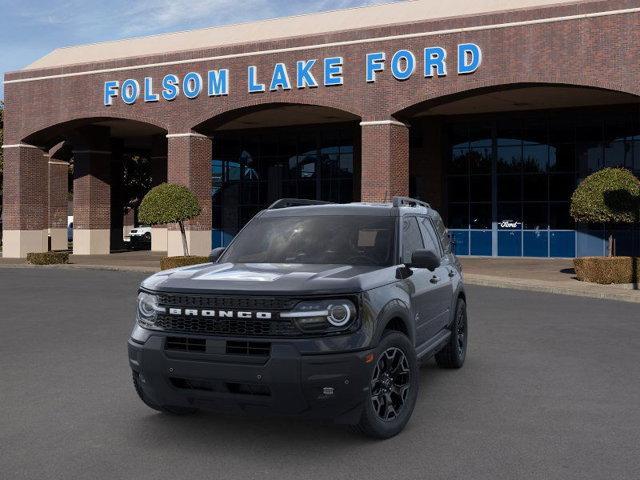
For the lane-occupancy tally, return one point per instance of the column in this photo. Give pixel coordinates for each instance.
(189, 164)
(116, 240)
(58, 192)
(25, 212)
(385, 160)
(92, 192)
(158, 175)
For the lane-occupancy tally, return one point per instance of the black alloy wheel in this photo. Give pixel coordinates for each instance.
(454, 352)
(393, 388)
(390, 384)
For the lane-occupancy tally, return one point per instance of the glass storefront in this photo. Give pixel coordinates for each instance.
(509, 178)
(253, 168)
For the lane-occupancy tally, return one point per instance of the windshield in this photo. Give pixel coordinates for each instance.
(346, 240)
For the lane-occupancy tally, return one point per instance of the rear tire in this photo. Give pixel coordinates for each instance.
(393, 389)
(164, 409)
(455, 351)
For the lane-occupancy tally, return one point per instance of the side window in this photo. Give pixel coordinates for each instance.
(430, 239)
(411, 238)
(443, 234)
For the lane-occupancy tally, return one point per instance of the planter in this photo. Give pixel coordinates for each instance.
(607, 270)
(167, 263)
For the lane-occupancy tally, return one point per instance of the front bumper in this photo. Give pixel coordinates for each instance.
(286, 382)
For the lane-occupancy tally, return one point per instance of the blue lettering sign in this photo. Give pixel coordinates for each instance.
(254, 87)
(149, 96)
(375, 63)
(280, 78)
(192, 85)
(434, 59)
(218, 82)
(110, 92)
(333, 71)
(469, 58)
(403, 64)
(130, 91)
(304, 77)
(170, 87)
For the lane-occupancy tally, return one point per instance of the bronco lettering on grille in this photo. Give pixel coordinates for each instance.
(192, 312)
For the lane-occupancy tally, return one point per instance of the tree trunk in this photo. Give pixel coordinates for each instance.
(185, 247)
(610, 252)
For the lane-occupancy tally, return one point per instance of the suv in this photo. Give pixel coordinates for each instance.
(314, 309)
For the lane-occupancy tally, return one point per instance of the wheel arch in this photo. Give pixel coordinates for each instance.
(395, 316)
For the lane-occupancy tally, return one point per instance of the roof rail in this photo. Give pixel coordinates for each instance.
(409, 202)
(294, 202)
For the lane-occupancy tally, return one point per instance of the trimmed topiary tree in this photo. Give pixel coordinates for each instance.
(611, 195)
(170, 203)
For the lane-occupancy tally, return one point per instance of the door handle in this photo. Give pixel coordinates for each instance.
(452, 273)
(435, 279)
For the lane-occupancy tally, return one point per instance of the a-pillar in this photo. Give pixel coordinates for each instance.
(92, 192)
(385, 160)
(189, 164)
(25, 212)
(159, 175)
(58, 192)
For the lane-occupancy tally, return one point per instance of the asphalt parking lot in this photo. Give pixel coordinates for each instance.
(551, 389)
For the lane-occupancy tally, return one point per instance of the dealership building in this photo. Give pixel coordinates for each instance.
(491, 110)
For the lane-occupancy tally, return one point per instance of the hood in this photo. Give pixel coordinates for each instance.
(270, 279)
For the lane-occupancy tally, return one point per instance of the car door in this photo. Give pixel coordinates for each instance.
(442, 295)
(421, 290)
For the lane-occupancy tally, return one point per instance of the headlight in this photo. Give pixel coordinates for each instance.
(323, 316)
(148, 310)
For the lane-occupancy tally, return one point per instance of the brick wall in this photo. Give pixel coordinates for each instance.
(600, 51)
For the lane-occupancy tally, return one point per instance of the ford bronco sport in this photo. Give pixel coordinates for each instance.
(314, 309)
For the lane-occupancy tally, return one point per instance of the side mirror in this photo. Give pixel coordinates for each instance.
(215, 254)
(425, 259)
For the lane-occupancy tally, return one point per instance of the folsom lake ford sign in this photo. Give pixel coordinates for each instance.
(309, 73)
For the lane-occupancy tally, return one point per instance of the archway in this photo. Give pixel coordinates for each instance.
(501, 164)
(113, 162)
(266, 152)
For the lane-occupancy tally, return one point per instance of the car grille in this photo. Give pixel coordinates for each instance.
(227, 326)
(186, 344)
(216, 326)
(230, 302)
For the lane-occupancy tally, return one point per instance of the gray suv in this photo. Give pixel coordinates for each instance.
(314, 310)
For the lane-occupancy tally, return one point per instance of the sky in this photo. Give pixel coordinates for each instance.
(29, 29)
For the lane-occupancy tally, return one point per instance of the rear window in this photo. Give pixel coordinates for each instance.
(443, 233)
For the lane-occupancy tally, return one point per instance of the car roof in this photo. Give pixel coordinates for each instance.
(356, 208)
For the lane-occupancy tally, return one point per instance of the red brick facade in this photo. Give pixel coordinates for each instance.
(589, 43)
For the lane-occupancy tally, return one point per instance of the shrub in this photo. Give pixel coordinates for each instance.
(169, 203)
(168, 263)
(607, 270)
(611, 195)
(48, 258)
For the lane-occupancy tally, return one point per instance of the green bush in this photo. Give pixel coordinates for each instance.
(168, 263)
(607, 270)
(48, 258)
(611, 195)
(169, 203)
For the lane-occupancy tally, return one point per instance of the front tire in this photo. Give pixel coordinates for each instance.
(455, 351)
(393, 389)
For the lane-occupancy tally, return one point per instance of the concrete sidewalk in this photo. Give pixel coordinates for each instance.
(539, 275)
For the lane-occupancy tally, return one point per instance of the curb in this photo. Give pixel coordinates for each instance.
(74, 266)
(602, 292)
